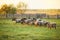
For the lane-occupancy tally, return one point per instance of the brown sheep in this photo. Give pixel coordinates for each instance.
(51, 25)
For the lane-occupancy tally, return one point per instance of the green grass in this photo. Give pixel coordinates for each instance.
(15, 31)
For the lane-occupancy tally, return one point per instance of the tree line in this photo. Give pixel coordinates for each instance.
(11, 9)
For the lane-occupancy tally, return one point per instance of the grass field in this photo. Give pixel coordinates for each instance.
(15, 31)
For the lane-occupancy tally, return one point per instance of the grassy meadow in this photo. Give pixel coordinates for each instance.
(10, 30)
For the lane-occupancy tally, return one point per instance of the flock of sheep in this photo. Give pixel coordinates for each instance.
(36, 22)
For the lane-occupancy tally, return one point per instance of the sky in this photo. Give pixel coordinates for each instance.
(35, 4)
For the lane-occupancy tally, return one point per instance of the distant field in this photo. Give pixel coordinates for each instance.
(15, 31)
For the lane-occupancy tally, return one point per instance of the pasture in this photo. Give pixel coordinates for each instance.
(10, 30)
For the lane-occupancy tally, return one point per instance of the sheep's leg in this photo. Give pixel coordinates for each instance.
(55, 26)
(49, 26)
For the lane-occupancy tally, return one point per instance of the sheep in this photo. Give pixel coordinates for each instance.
(28, 21)
(18, 20)
(38, 22)
(51, 25)
(23, 20)
(54, 25)
(45, 23)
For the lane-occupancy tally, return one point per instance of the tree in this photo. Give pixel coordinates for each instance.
(8, 9)
(21, 7)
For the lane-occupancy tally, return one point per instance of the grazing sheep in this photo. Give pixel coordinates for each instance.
(38, 22)
(45, 23)
(54, 25)
(34, 19)
(51, 25)
(28, 21)
(18, 20)
(23, 20)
